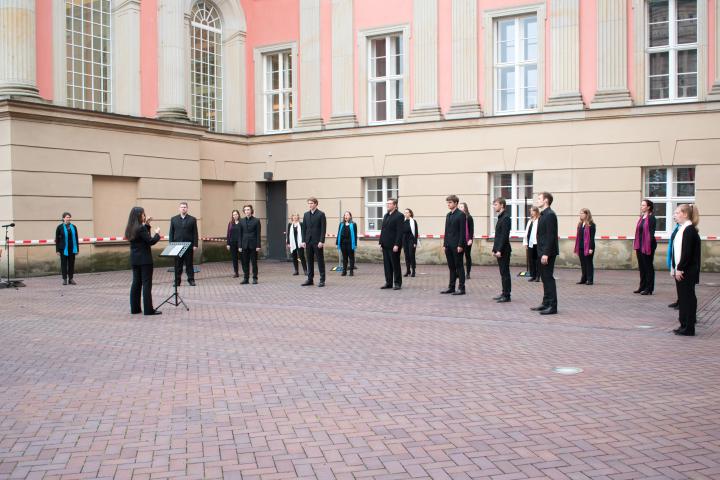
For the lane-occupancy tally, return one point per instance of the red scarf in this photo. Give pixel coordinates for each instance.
(586, 240)
(642, 233)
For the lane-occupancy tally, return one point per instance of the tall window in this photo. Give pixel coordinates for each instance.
(278, 91)
(377, 192)
(517, 190)
(386, 77)
(87, 43)
(672, 49)
(206, 65)
(668, 187)
(516, 69)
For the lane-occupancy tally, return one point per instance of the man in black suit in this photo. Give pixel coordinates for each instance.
(502, 249)
(391, 244)
(183, 228)
(547, 250)
(313, 234)
(454, 244)
(249, 244)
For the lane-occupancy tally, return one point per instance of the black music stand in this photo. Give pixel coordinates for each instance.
(9, 282)
(175, 250)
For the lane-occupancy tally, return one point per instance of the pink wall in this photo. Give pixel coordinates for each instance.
(44, 50)
(148, 58)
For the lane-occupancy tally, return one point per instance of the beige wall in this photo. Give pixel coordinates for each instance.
(53, 159)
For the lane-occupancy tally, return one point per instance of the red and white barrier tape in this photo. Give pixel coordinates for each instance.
(93, 240)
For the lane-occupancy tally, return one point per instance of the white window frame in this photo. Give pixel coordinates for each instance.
(490, 18)
(364, 36)
(216, 125)
(513, 204)
(88, 92)
(671, 200)
(519, 65)
(259, 54)
(382, 203)
(388, 79)
(281, 91)
(672, 48)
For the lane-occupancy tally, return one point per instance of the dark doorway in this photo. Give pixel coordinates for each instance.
(276, 219)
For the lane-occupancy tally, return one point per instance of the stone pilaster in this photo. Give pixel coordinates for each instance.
(234, 107)
(172, 61)
(565, 55)
(612, 87)
(309, 60)
(714, 93)
(465, 102)
(425, 60)
(343, 80)
(126, 57)
(18, 75)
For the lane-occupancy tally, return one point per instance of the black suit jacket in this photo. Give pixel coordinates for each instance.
(183, 230)
(140, 253)
(502, 233)
(249, 233)
(471, 227)
(581, 228)
(547, 234)
(392, 230)
(289, 232)
(690, 254)
(60, 239)
(407, 232)
(455, 229)
(233, 235)
(314, 226)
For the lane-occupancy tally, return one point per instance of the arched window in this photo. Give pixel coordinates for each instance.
(87, 46)
(206, 65)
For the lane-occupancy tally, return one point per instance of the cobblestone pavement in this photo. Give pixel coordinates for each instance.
(278, 381)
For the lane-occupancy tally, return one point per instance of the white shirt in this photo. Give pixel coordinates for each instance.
(677, 243)
(532, 228)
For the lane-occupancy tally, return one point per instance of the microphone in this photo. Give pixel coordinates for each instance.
(11, 225)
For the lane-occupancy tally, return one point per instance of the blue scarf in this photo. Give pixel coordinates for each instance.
(74, 240)
(670, 246)
(353, 242)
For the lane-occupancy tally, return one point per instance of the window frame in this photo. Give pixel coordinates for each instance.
(215, 126)
(281, 91)
(387, 79)
(519, 65)
(258, 60)
(671, 199)
(513, 204)
(382, 203)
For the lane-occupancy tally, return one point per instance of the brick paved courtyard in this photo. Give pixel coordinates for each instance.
(276, 381)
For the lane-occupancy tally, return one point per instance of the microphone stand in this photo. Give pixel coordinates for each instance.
(9, 283)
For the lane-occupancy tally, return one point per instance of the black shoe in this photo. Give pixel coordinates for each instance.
(386, 286)
(531, 279)
(64, 282)
(245, 281)
(537, 279)
(191, 283)
(344, 274)
(639, 290)
(685, 333)
(589, 283)
(459, 292)
(236, 275)
(467, 276)
(413, 273)
(254, 281)
(322, 283)
(154, 312)
(539, 308)
(72, 282)
(549, 311)
(407, 274)
(176, 283)
(295, 273)
(498, 297)
(307, 282)
(673, 305)
(646, 292)
(351, 273)
(676, 330)
(449, 290)
(135, 313)
(503, 300)
(581, 282)
(397, 287)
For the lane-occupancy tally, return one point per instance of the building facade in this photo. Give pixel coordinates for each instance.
(106, 104)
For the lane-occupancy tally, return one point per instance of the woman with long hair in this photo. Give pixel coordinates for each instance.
(644, 246)
(410, 241)
(137, 232)
(347, 243)
(294, 241)
(469, 235)
(233, 240)
(585, 246)
(530, 242)
(686, 266)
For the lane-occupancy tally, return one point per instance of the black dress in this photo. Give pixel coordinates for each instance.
(142, 269)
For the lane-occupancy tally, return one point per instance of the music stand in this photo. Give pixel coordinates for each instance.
(175, 250)
(9, 282)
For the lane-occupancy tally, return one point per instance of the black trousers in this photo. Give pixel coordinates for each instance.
(249, 256)
(299, 254)
(391, 262)
(141, 281)
(409, 248)
(67, 265)
(647, 271)
(504, 265)
(455, 265)
(234, 254)
(187, 262)
(587, 268)
(468, 258)
(687, 303)
(347, 254)
(312, 251)
(549, 288)
(532, 261)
